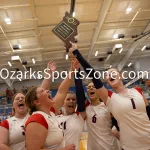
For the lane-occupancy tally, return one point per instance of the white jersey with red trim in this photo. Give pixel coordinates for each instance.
(16, 132)
(130, 111)
(72, 127)
(54, 139)
(99, 128)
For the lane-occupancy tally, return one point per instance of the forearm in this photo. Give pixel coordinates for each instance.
(46, 82)
(61, 93)
(64, 86)
(88, 69)
(80, 93)
(4, 147)
(82, 61)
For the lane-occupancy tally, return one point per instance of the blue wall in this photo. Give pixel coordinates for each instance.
(73, 89)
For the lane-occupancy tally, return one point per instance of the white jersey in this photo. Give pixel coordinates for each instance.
(130, 111)
(16, 132)
(99, 128)
(54, 139)
(72, 127)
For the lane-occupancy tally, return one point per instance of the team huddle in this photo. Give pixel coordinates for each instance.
(37, 124)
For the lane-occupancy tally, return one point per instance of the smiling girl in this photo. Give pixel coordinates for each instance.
(128, 106)
(43, 131)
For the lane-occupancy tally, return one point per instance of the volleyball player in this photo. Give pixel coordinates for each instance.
(42, 128)
(126, 105)
(11, 130)
(12, 135)
(72, 121)
(98, 118)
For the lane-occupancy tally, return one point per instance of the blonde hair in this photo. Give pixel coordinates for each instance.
(71, 92)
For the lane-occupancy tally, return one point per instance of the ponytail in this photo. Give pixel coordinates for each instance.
(29, 100)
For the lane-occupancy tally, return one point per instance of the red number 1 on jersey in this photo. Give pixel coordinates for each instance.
(133, 103)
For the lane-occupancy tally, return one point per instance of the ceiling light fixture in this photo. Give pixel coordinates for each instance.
(118, 46)
(20, 46)
(67, 56)
(9, 63)
(7, 20)
(129, 64)
(73, 14)
(128, 10)
(15, 58)
(96, 53)
(143, 48)
(33, 60)
(120, 51)
(115, 36)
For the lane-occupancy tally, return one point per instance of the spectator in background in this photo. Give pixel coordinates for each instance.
(4, 112)
(7, 93)
(9, 97)
(14, 91)
(23, 90)
(26, 90)
(5, 102)
(0, 120)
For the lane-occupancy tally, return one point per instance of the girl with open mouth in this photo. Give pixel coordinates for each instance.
(97, 116)
(12, 134)
(128, 106)
(43, 131)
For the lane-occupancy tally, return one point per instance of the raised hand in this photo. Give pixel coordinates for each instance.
(76, 64)
(74, 47)
(51, 66)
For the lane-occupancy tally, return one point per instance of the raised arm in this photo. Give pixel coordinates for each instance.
(101, 90)
(80, 95)
(51, 67)
(63, 90)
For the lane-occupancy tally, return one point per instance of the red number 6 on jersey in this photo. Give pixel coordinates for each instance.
(94, 119)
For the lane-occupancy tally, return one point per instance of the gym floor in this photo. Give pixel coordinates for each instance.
(83, 141)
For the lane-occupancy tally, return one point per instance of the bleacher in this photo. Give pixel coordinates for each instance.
(7, 107)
